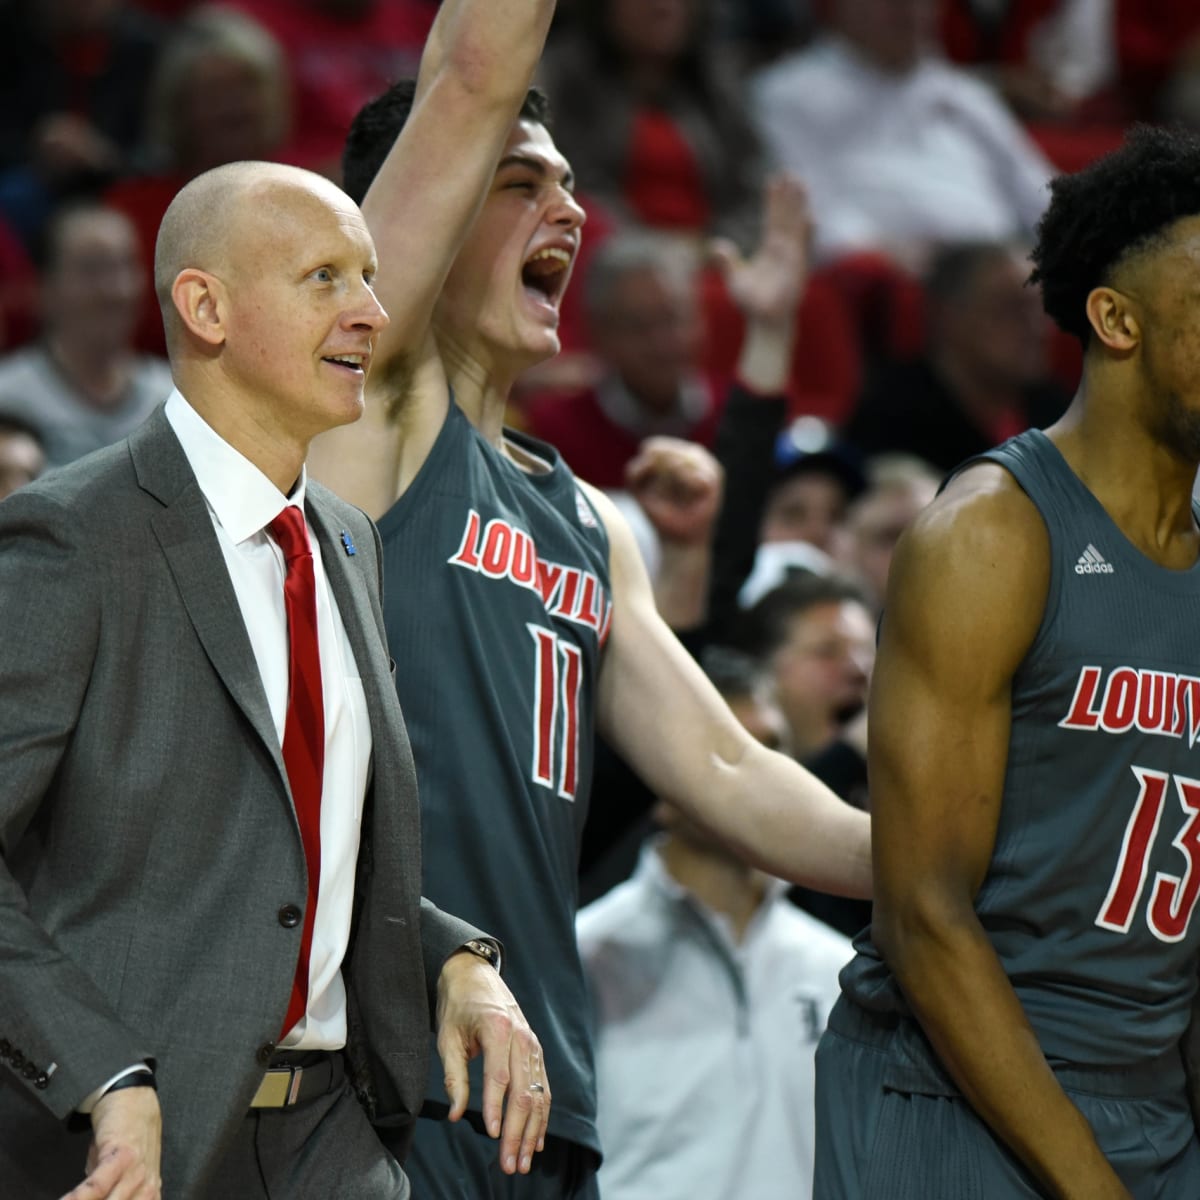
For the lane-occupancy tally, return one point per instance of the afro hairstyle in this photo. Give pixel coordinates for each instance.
(1115, 208)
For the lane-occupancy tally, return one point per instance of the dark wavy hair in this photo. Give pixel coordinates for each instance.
(379, 122)
(1112, 210)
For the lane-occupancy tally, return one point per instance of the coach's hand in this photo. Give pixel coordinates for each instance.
(123, 1162)
(476, 1013)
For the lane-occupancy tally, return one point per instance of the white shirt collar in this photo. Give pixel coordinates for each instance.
(244, 500)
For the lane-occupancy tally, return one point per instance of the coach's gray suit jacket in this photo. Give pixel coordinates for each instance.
(148, 841)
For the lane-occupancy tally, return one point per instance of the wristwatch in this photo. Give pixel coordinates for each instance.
(485, 950)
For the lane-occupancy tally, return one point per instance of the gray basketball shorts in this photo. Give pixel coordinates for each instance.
(891, 1125)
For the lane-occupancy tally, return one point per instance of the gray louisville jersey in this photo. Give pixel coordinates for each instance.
(497, 605)
(1094, 878)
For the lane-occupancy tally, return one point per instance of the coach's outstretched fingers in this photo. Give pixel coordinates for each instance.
(478, 1015)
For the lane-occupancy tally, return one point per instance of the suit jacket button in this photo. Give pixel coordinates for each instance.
(29, 1071)
(290, 916)
(42, 1082)
(5, 1048)
(264, 1053)
(17, 1059)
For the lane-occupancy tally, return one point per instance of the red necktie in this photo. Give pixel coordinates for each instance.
(304, 730)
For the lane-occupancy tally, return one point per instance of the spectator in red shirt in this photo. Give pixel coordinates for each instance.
(645, 329)
(652, 341)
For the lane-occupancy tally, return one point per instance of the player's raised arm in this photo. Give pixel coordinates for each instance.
(965, 598)
(475, 71)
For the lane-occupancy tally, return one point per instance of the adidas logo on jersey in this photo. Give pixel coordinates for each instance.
(1091, 562)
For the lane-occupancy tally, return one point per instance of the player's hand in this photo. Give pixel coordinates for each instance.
(768, 285)
(476, 1013)
(123, 1161)
(678, 485)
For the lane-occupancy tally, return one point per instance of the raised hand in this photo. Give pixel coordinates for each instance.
(768, 285)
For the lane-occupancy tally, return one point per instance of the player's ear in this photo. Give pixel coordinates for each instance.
(1114, 319)
(201, 303)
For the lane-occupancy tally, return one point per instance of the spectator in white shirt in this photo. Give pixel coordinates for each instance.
(83, 386)
(897, 148)
(711, 991)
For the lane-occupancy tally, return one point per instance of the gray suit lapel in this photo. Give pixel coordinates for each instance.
(185, 533)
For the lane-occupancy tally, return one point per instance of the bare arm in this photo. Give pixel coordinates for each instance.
(965, 597)
(475, 72)
(661, 713)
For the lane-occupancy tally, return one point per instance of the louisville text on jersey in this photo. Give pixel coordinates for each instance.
(1131, 698)
(499, 550)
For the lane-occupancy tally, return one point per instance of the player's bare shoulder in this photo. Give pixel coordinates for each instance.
(977, 560)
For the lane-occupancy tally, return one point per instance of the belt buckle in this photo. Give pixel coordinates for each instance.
(280, 1088)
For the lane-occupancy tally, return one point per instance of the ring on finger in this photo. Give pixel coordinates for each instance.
(536, 1087)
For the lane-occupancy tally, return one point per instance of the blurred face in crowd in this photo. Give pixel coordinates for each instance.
(995, 327)
(658, 29)
(892, 33)
(500, 303)
(92, 292)
(822, 671)
(875, 524)
(648, 333)
(227, 113)
(21, 460)
(809, 506)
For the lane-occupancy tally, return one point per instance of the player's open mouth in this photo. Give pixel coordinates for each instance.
(357, 363)
(545, 273)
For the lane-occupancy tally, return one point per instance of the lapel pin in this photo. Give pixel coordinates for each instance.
(348, 542)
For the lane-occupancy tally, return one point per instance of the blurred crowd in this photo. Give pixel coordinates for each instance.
(923, 131)
(923, 134)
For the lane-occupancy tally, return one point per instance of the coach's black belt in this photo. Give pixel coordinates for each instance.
(296, 1076)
